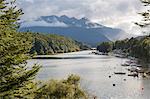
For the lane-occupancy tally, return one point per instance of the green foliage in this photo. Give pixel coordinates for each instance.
(105, 47)
(51, 44)
(16, 81)
(14, 48)
(120, 44)
(64, 89)
(9, 14)
(138, 47)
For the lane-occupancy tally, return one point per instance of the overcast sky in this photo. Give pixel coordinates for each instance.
(114, 13)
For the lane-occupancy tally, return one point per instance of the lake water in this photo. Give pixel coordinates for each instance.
(94, 71)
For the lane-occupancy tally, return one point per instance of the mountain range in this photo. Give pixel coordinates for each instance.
(82, 30)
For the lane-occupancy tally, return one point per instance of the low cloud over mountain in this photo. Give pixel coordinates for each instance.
(82, 29)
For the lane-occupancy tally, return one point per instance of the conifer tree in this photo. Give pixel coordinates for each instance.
(145, 23)
(15, 78)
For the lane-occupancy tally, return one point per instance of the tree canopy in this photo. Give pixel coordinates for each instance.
(14, 48)
(105, 47)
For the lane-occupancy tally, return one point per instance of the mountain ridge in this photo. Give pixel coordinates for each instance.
(81, 29)
(65, 20)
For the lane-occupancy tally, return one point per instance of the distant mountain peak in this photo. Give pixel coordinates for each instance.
(82, 29)
(64, 21)
(63, 16)
(84, 19)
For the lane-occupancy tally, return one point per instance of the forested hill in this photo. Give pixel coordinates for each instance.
(138, 47)
(51, 44)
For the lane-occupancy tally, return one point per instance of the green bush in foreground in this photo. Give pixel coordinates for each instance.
(63, 89)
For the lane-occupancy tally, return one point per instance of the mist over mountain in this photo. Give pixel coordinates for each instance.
(82, 30)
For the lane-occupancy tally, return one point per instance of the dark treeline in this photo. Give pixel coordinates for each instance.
(52, 44)
(105, 47)
(138, 47)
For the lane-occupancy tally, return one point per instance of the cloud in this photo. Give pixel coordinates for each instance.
(43, 23)
(113, 13)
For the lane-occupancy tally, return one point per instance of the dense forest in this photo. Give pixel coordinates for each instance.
(17, 81)
(138, 47)
(52, 44)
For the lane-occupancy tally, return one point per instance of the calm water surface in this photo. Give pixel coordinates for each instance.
(95, 71)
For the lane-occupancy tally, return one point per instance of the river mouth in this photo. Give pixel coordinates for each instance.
(97, 73)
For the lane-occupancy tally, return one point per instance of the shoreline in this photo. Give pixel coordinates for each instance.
(55, 56)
